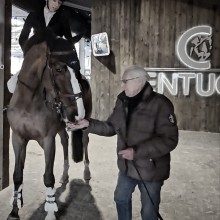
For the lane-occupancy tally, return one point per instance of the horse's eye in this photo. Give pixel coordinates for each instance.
(59, 70)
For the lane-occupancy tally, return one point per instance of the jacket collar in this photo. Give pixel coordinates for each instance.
(48, 15)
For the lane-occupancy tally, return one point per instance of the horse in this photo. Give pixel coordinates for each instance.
(50, 92)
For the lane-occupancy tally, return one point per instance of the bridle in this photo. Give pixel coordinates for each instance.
(58, 105)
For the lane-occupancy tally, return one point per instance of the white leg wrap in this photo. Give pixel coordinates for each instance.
(50, 204)
(17, 195)
(76, 89)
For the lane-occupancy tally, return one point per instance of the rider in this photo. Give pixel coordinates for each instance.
(52, 16)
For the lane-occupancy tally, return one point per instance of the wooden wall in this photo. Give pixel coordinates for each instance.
(144, 32)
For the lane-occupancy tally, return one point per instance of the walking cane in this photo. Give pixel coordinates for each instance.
(142, 181)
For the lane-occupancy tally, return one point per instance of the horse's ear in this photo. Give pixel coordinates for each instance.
(76, 38)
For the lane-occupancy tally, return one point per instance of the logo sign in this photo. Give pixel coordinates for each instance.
(193, 49)
(195, 42)
(173, 80)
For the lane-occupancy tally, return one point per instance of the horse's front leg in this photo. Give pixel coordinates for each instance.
(19, 146)
(49, 180)
(64, 138)
(87, 174)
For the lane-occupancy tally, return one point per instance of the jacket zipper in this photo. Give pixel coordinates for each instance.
(126, 132)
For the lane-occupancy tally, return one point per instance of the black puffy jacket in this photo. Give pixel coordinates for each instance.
(152, 132)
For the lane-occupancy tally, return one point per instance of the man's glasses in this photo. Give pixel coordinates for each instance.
(125, 80)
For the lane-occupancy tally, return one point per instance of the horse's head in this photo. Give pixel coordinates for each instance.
(51, 67)
(64, 74)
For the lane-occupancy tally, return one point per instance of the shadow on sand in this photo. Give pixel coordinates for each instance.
(79, 203)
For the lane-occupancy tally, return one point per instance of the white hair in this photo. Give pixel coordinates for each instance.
(137, 71)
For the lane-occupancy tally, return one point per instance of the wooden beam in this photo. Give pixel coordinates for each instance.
(5, 47)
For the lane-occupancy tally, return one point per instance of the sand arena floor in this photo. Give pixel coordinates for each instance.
(191, 193)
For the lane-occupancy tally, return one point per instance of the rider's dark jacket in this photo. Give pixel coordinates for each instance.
(148, 124)
(59, 24)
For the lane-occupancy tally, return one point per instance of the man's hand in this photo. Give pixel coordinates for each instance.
(127, 154)
(79, 125)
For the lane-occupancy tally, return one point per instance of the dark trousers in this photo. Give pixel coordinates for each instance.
(123, 197)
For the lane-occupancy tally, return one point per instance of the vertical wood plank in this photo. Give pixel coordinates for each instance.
(95, 66)
(144, 42)
(115, 50)
(154, 33)
(5, 47)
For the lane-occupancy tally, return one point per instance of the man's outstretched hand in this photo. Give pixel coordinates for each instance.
(78, 125)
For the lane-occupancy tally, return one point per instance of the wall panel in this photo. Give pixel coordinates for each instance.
(145, 32)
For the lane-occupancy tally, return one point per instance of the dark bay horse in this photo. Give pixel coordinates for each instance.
(50, 91)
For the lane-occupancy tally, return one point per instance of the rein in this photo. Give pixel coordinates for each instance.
(60, 53)
(76, 96)
(24, 84)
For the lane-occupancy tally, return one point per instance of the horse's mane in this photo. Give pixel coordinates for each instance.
(35, 39)
(55, 43)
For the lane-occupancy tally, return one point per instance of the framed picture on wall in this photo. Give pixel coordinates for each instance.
(100, 44)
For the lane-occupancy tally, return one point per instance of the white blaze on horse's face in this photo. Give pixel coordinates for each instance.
(76, 89)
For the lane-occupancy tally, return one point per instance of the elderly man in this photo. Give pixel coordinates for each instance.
(145, 124)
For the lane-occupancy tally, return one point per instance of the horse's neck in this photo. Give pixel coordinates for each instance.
(33, 88)
(32, 69)
(28, 91)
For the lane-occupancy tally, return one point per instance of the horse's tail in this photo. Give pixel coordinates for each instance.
(77, 145)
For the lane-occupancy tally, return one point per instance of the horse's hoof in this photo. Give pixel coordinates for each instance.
(11, 217)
